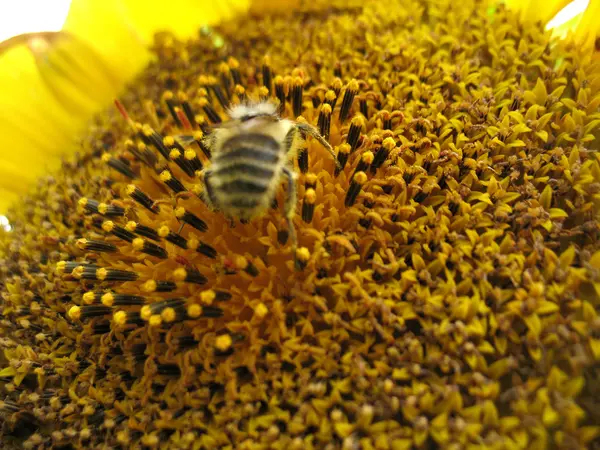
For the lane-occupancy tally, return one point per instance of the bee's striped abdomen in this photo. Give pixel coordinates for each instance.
(243, 172)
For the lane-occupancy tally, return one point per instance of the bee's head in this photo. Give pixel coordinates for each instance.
(246, 112)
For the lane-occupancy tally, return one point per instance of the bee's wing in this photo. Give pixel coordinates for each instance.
(184, 139)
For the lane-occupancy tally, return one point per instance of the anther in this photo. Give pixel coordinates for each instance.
(308, 205)
(111, 299)
(302, 257)
(142, 198)
(267, 73)
(202, 248)
(91, 298)
(330, 98)
(187, 108)
(209, 110)
(167, 177)
(243, 264)
(225, 78)
(174, 238)
(363, 107)
(177, 157)
(189, 276)
(351, 91)
(158, 286)
(110, 210)
(96, 246)
(88, 311)
(199, 139)
(191, 219)
(324, 121)
(387, 146)
(122, 318)
(359, 179)
(303, 159)
(151, 137)
(234, 70)
(149, 248)
(142, 230)
(192, 159)
(356, 125)
(240, 92)
(336, 86)
(119, 165)
(280, 91)
(171, 102)
(297, 88)
(342, 157)
(310, 181)
(103, 274)
(366, 159)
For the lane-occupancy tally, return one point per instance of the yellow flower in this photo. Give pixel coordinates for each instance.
(444, 291)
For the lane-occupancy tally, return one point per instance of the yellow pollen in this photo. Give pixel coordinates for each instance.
(330, 96)
(194, 311)
(81, 243)
(149, 286)
(168, 315)
(261, 310)
(131, 188)
(179, 274)
(179, 212)
(60, 267)
(165, 176)
(326, 108)
(145, 312)
(82, 201)
(223, 342)
(367, 157)
(102, 208)
(240, 262)
(388, 143)
(193, 243)
(207, 297)
(353, 85)
(190, 154)
(108, 299)
(174, 154)
(74, 313)
(137, 243)
(89, 297)
(198, 135)
(106, 157)
(168, 141)
(78, 272)
(302, 254)
(360, 178)
(164, 231)
(131, 226)
(310, 196)
(101, 273)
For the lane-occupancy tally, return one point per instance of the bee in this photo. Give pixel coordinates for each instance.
(251, 155)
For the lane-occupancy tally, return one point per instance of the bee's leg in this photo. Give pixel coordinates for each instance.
(290, 211)
(314, 133)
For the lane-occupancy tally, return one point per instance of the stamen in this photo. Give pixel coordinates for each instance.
(359, 179)
(267, 74)
(104, 274)
(387, 146)
(111, 299)
(351, 91)
(158, 286)
(151, 137)
(240, 92)
(96, 246)
(187, 109)
(297, 88)
(200, 247)
(366, 159)
(149, 248)
(330, 98)
(245, 265)
(303, 159)
(173, 238)
(67, 267)
(364, 107)
(122, 318)
(280, 92)
(342, 157)
(201, 121)
(356, 126)
(302, 257)
(142, 230)
(167, 177)
(263, 93)
(218, 92)
(142, 198)
(169, 99)
(177, 157)
(234, 70)
(88, 311)
(324, 121)
(183, 119)
(119, 165)
(308, 205)
(336, 86)
(156, 308)
(198, 138)
(209, 110)
(191, 219)
(189, 276)
(225, 78)
(193, 161)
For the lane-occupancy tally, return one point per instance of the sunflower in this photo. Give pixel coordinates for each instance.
(445, 290)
